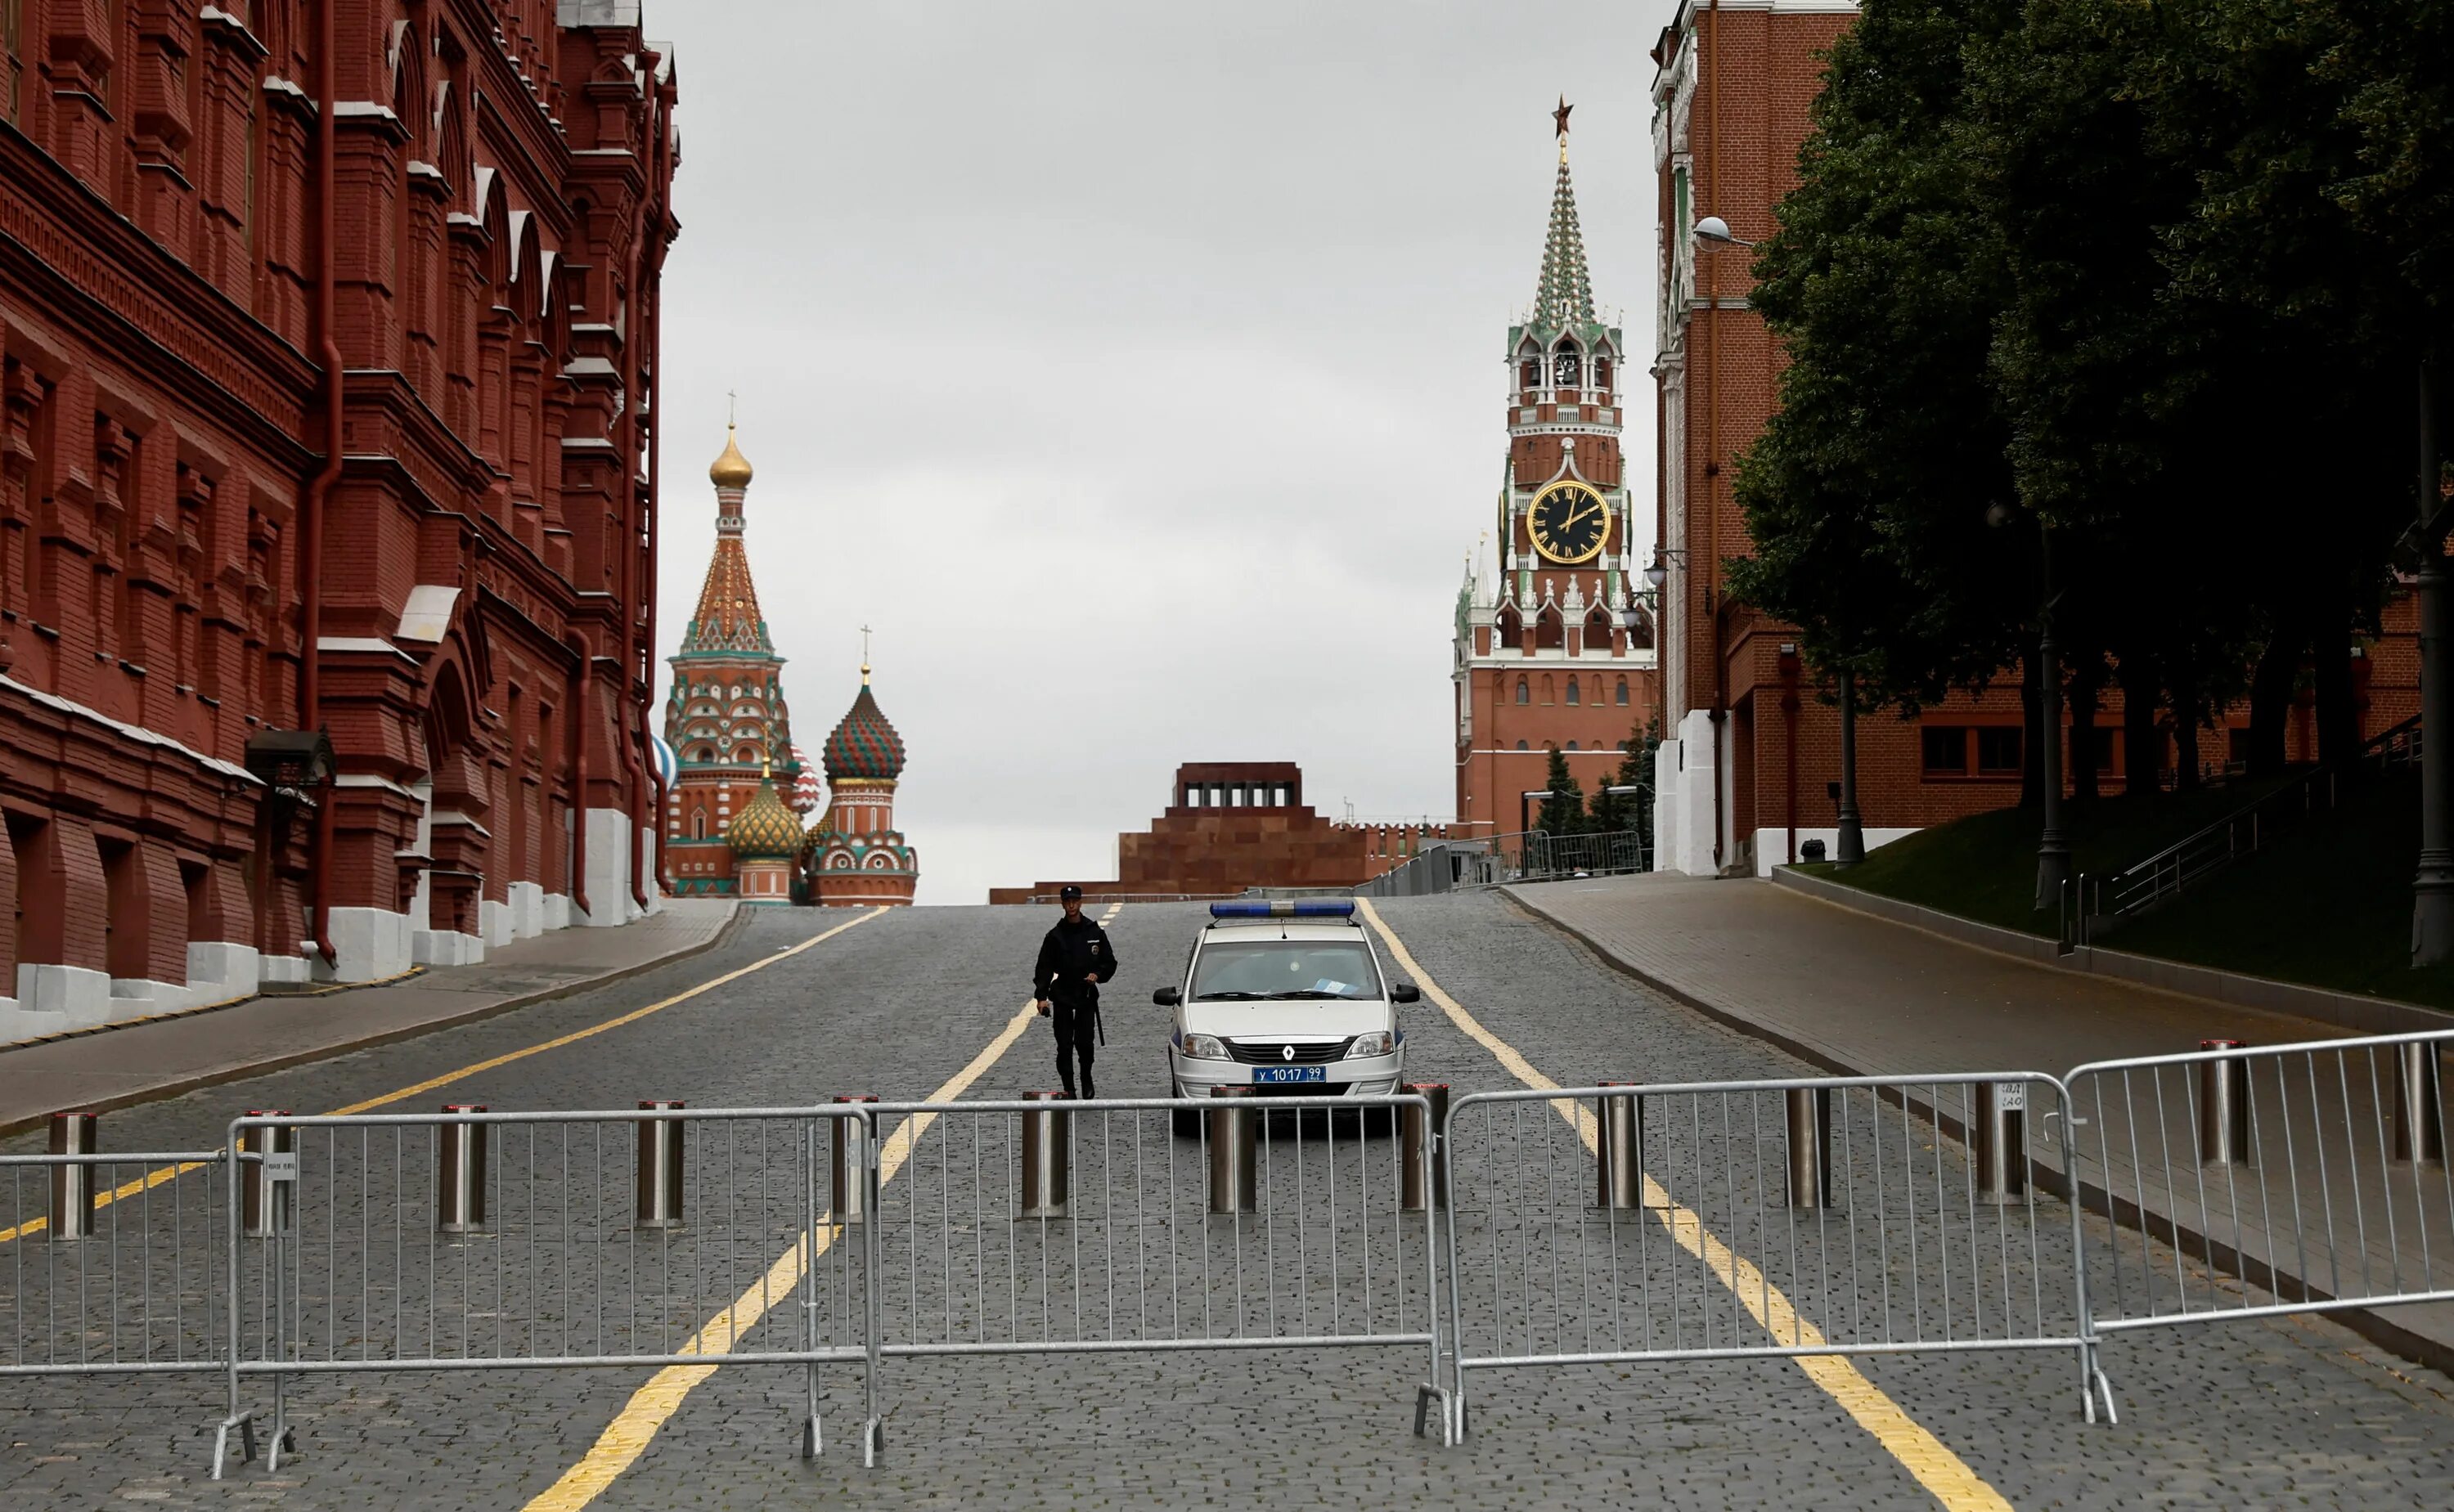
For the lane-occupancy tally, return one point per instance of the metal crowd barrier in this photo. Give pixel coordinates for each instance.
(1815, 1216)
(473, 1240)
(1059, 1227)
(2244, 1182)
(112, 1263)
(1618, 1223)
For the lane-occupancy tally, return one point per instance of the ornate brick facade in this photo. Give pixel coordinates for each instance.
(1552, 647)
(431, 229)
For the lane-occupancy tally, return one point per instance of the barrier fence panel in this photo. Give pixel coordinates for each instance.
(1767, 1218)
(2248, 1181)
(111, 1264)
(474, 1240)
(1237, 1222)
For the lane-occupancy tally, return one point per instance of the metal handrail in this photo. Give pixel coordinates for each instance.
(2145, 883)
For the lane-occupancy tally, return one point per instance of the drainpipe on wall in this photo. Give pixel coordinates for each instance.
(655, 826)
(575, 697)
(311, 514)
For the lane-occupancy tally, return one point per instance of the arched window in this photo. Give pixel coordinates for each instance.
(699, 824)
(1601, 372)
(1567, 369)
(1571, 745)
(1621, 699)
(1550, 694)
(1520, 744)
(1523, 696)
(1529, 375)
(1574, 698)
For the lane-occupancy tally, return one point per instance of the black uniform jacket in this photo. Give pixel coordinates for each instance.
(1074, 950)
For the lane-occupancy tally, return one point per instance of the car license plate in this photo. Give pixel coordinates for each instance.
(1290, 1073)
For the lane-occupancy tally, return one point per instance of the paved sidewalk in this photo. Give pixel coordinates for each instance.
(1868, 997)
(167, 1055)
(1864, 996)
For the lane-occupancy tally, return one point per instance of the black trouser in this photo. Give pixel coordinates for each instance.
(1078, 1026)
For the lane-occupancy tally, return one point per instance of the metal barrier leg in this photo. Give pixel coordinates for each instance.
(460, 1172)
(1424, 1177)
(71, 1214)
(1047, 1136)
(1618, 1153)
(2223, 1106)
(872, 1430)
(1233, 1129)
(2419, 1116)
(849, 1187)
(1810, 1146)
(659, 1166)
(1999, 1143)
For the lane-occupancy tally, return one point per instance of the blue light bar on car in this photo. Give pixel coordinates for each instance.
(1285, 908)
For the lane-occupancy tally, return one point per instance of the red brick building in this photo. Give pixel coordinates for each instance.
(1553, 647)
(1751, 756)
(1232, 825)
(328, 338)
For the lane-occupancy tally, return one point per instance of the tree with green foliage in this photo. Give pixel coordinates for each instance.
(1563, 811)
(1610, 812)
(1867, 492)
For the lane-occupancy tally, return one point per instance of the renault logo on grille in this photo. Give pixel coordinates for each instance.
(1287, 1052)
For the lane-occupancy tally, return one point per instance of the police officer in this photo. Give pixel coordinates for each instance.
(1074, 960)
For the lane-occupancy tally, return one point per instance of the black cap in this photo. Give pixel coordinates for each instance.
(1069, 894)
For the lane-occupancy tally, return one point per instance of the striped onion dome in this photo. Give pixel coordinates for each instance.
(765, 828)
(864, 745)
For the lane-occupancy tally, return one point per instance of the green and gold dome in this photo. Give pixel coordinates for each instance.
(765, 828)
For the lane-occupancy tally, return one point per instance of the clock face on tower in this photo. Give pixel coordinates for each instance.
(1570, 522)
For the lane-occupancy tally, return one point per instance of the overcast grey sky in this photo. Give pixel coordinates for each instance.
(1133, 369)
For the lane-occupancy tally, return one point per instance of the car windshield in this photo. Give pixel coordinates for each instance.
(1249, 969)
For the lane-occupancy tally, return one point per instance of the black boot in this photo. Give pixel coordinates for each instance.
(1089, 1092)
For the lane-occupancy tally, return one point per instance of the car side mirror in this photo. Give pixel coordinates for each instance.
(1406, 992)
(1167, 997)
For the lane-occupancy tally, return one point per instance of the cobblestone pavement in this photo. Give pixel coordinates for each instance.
(2261, 1413)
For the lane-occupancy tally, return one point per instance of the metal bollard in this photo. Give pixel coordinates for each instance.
(265, 1201)
(2419, 1116)
(1999, 1143)
(1618, 1153)
(1047, 1144)
(1233, 1129)
(660, 1167)
(460, 1172)
(848, 1198)
(2223, 1106)
(1810, 1146)
(1422, 1183)
(71, 1215)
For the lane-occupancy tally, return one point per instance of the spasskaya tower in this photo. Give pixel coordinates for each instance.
(1552, 647)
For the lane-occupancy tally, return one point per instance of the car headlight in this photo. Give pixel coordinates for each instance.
(1203, 1048)
(1379, 1042)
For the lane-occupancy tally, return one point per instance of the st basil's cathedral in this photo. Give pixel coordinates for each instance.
(731, 826)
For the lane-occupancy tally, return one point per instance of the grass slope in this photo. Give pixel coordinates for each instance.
(2329, 905)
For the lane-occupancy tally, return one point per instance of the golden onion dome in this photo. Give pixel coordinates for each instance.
(732, 470)
(765, 828)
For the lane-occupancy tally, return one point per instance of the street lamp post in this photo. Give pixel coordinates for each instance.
(1850, 844)
(2053, 846)
(2432, 888)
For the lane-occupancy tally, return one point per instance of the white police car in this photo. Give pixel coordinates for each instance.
(1286, 998)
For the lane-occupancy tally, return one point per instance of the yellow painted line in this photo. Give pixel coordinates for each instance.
(157, 1176)
(650, 1407)
(1943, 1473)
